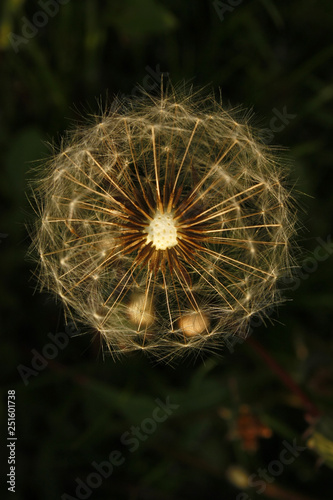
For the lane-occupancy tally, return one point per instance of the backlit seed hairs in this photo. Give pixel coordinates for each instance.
(165, 224)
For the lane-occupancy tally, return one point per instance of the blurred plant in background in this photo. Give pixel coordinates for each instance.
(268, 56)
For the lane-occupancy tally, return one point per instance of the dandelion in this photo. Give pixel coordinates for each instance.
(165, 224)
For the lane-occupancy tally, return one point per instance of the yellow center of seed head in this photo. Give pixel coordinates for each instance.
(162, 232)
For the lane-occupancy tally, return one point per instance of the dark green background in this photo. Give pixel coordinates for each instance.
(263, 54)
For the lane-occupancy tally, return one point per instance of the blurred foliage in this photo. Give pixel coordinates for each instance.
(266, 55)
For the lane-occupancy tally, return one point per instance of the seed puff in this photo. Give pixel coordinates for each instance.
(165, 224)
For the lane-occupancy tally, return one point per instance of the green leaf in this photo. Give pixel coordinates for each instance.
(141, 18)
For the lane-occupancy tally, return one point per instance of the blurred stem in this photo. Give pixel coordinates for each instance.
(284, 377)
(279, 493)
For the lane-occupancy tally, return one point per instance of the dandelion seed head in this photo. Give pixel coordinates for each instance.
(165, 224)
